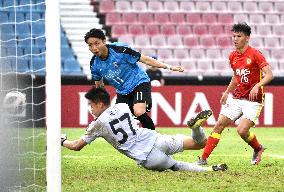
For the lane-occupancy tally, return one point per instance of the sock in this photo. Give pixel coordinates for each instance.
(253, 142)
(185, 166)
(146, 121)
(198, 134)
(212, 142)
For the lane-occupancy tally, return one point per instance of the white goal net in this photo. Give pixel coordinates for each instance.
(23, 135)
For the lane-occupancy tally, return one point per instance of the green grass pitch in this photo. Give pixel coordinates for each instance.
(99, 167)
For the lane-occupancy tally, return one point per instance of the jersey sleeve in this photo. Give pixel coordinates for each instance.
(132, 56)
(260, 59)
(93, 131)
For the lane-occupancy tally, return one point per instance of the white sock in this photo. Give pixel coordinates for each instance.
(185, 166)
(198, 134)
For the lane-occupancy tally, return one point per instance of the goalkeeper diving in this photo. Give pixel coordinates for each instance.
(148, 148)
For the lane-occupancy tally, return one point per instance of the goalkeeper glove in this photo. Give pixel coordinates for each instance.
(63, 138)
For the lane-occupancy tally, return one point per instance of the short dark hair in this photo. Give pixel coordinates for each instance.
(96, 33)
(242, 27)
(98, 95)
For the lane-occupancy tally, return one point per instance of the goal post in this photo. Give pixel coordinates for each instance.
(53, 96)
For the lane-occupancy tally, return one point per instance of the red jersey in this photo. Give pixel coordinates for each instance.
(247, 70)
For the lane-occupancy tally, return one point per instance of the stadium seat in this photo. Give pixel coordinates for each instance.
(282, 41)
(19, 17)
(226, 52)
(175, 41)
(263, 30)
(161, 18)
(118, 30)
(272, 19)
(271, 42)
(7, 29)
(265, 7)
(256, 42)
(145, 18)
(11, 51)
(164, 54)
(67, 53)
(213, 54)
(279, 7)
(204, 66)
(3, 17)
(235, 6)
(190, 41)
(149, 52)
(200, 29)
(202, 6)
(278, 30)
(25, 43)
(106, 6)
(209, 18)
(207, 41)
(277, 54)
(139, 6)
(250, 6)
(71, 66)
(40, 42)
(222, 67)
(216, 29)
(136, 30)
(123, 6)
(240, 18)
(37, 64)
(177, 18)
(126, 39)
(129, 18)
(155, 6)
(158, 41)
(171, 6)
(22, 65)
(224, 41)
(256, 19)
(113, 18)
(183, 30)
(5, 65)
(187, 6)
(219, 6)
(168, 30)
(197, 53)
(189, 66)
(152, 30)
(225, 18)
(142, 41)
(274, 65)
(38, 28)
(3, 51)
(181, 54)
(23, 30)
(193, 18)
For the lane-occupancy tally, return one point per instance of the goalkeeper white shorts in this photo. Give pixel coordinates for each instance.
(159, 158)
(235, 108)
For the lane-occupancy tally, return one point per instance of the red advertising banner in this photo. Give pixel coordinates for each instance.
(173, 106)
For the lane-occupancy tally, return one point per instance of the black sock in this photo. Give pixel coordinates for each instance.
(146, 121)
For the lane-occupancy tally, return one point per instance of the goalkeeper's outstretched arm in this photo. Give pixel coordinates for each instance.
(75, 145)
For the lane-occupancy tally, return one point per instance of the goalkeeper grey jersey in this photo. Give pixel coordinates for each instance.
(119, 128)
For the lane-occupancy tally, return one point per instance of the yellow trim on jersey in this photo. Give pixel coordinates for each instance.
(216, 135)
(250, 137)
(262, 99)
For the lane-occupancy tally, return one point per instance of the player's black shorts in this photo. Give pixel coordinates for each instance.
(141, 94)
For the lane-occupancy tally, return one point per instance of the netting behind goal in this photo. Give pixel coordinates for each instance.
(22, 68)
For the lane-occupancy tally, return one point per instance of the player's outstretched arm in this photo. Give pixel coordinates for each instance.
(75, 145)
(155, 63)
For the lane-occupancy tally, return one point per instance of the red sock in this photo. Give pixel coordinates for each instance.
(212, 142)
(253, 142)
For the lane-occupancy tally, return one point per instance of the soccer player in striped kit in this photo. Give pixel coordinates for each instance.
(117, 64)
(246, 86)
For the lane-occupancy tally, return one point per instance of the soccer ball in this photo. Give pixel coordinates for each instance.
(14, 103)
(155, 83)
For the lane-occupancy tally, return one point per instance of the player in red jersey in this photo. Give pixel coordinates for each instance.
(251, 73)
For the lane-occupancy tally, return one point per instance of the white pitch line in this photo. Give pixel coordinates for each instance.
(276, 156)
